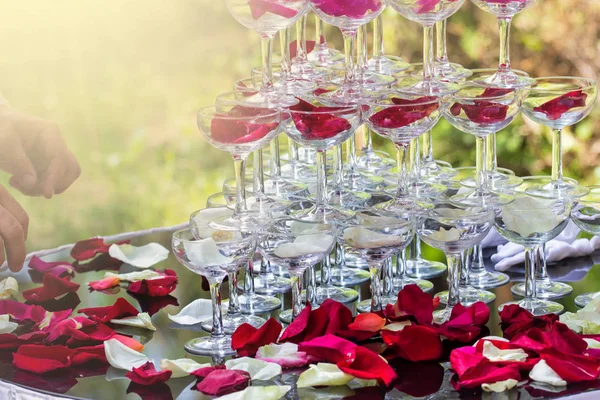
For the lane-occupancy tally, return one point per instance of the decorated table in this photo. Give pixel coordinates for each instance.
(102, 381)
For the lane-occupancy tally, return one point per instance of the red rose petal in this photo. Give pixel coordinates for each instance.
(224, 381)
(414, 343)
(486, 372)
(356, 336)
(65, 327)
(320, 126)
(354, 9)
(41, 359)
(339, 316)
(515, 319)
(103, 262)
(247, 339)
(52, 288)
(84, 355)
(330, 317)
(330, 348)
(555, 108)
(152, 305)
(22, 312)
(121, 309)
(481, 111)
(89, 336)
(147, 375)
(419, 379)
(465, 358)
(369, 322)
(572, 367)
(232, 131)
(412, 303)
(294, 333)
(368, 365)
(202, 373)
(87, 249)
(155, 287)
(258, 8)
(59, 269)
(106, 283)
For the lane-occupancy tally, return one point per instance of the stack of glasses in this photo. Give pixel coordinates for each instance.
(355, 217)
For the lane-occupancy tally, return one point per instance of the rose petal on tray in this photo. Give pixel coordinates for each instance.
(88, 249)
(152, 305)
(156, 287)
(52, 288)
(194, 313)
(247, 339)
(323, 374)
(105, 283)
(258, 392)
(285, 354)
(57, 268)
(220, 382)
(500, 386)
(9, 287)
(41, 359)
(140, 257)
(542, 372)
(259, 370)
(122, 357)
(142, 320)
(147, 375)
(121, 309)
(181, 367)
(369, 365)
(135, 276)
(5, 325)
(129, 342)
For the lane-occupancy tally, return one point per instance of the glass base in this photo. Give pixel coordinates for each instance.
(365, 305)
(209, 346)
(230, 324)
(363, 181)
(488, 280)
(477, 198)
(352, 261)
(348, 95)
(349, 277)
(303, 69)
(424, 189)
(443, 315)
(469, 296)
(295, 86)
(425, 286)
(348, 198)
(387, 65)
(425, 269)
(559, 189)
(271, 99)
(506, 79)
(371, 80)
(375, 161)
(339, 294)
(497, 180)
(404, 204)
(584, 299)
(544, 289)
(269, 284)
(326, 213)
(323, 56)
(280, 189)
(537, 307)
(437, 171)
(257, 304)
(450, 72)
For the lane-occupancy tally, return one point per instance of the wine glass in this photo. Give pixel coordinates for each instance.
(323, 55)
(427, 14)
(367, 78)
(267, 18)
(531, 222)
(505, 10)
(290, 83)
(375, 236)
(225, 251)
(586, 215)
(481, 112)
(301, 66)
(296, 246)
(454, 229)
(382, 63)
(348, 17)
(443, 69)
(558, 102)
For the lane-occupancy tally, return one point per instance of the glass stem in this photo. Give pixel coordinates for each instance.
(557, 161)
(349, 42)
(530, 278)
(321, 195)
(249, 279)
(454, 269)
(376, 289)
(415, 248)
(293, 157)
(402, 161)
(441, 50)
(428, 58)
(215, 295)
(492, 161)
(378, 49)
(401, 268)
(415, 160)
(476, 265)
(311, 286)
(284, 42)
(387, 273)
(541, 272)
(351, 152)
(234, 304)
(464, 270)
(504, 26)
(259, 175)
(275, 159)
(427, 147)
(320, 38)
(326, 272)
(363, 56)
(240, 184)
(368, 141)
(480, 165)
(338, 167)
(340, 261)
(296, 282)
(267, 67)
(301, 39)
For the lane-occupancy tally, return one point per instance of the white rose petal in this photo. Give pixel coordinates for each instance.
(592, 343)
(494, 354)
(496, 338)
(358, 383)
(527, 215)
(542, 372)
(136, 276)
(585, 321)
(142, 320)
(122, 357)
(258, 393)
(182, 367)
(285, 354)
(5, 325)
(194, 313)
(363, 238)
(205, 217)
(259, 370)
(443, 235)
(397, 326)
(205, 252)
(323, 374)
(500, 386)
(140, 257)
(305, 244)
(9, 287)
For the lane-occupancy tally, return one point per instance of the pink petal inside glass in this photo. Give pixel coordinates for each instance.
(555, 108)
(351, 9)
(258, 8)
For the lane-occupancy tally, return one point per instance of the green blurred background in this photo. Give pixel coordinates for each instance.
(125, 78)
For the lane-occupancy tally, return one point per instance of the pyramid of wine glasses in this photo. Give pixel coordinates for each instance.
(321, 216)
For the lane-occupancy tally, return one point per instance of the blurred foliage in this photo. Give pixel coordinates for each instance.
(125, 78)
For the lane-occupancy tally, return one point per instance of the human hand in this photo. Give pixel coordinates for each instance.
(35, 154)
(14, 224)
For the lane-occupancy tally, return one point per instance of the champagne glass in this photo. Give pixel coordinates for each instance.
(586, 215)
(323, 55)
(505, 10)
(296, 246)
(382, 63)
(559, 102)
(375, 236)
(454, 229)
(443, 69)
(225, 251)
(267, 18)
(531, 222)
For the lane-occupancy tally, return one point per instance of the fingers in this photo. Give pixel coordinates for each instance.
(15, 160)
(2, 257)
(13, 236)
(13, 207)
(73, 171)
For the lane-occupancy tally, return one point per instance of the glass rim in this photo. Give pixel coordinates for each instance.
(482, 211)
(401, 96)
(212, 111)
(457, 96)
(590, 83)
(336, 110)
(494, 71)
(177, 236)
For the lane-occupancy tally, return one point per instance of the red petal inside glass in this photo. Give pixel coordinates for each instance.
(232, 131)
(352, 9)
(481, 111)
(555, 108)
(406, 113)
(258, 8)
